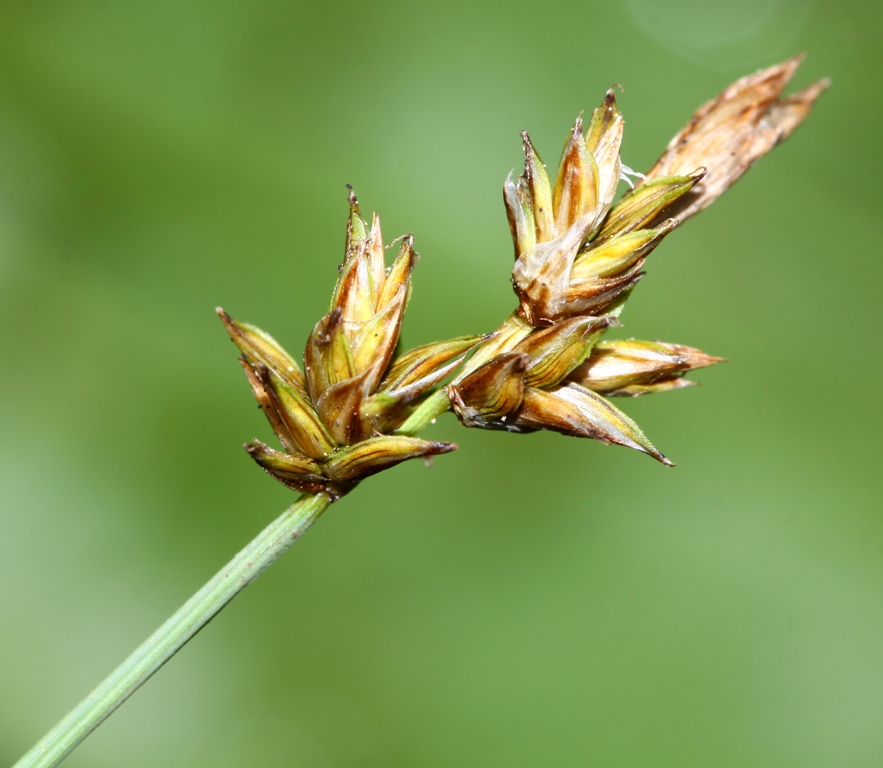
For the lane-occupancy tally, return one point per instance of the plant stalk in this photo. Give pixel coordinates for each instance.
(171, 636)
(426, 413)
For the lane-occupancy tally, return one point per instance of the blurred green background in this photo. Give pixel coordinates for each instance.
(528, 601)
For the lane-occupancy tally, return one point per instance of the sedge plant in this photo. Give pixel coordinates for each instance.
(356, 404)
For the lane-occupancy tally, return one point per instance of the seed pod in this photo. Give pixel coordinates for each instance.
(554, 352)
(540, 190)
(576, 411)
(628, 367)
(644, 204)
(603, 140)
(294, 470)
(488, 396)
(617, 255)
(423, 367)
(260, 347)
(378, 453)
(576, 188)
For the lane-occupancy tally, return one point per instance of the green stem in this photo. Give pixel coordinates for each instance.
(428, 411)
(171, 636)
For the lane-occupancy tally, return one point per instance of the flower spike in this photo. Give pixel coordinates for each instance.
(579, 253)
(578, 256)
(356, 407)
(334, 418)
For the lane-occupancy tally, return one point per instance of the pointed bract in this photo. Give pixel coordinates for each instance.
(268, 406)
(662, 384)
(315, 368)
(519, 210)
(355, 293)
(356, 228)
(337, 354)
(399, 276)
(594, 295)
(375, 343)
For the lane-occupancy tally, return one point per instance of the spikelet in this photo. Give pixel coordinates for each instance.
(334, 417)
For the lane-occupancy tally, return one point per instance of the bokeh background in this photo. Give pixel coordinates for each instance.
(527, 601)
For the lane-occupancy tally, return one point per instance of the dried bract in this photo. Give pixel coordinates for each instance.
(728, 134)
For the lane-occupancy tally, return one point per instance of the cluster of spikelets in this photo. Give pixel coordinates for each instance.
(335, 418)
(578, 255)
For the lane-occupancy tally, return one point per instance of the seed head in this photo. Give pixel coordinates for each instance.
(578, 256)
(353, 409)
(334, 418)
(574, 254)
